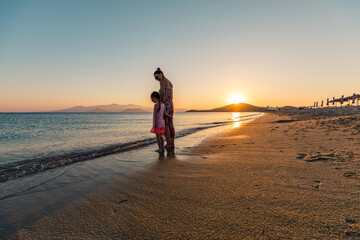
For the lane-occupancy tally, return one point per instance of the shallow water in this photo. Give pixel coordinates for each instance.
(33, 142)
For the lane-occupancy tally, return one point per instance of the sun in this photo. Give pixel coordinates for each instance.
(236, 98)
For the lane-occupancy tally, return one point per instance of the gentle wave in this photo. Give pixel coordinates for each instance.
(31, 166)
(22, 168)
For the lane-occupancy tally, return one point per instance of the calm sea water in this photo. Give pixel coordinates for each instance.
(26, 136)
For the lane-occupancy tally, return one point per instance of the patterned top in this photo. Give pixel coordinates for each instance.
(169, 106)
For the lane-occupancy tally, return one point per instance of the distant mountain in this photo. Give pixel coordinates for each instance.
(134, 110)
(96, 110)
(113, 108)
(107, 108)
(238, 107)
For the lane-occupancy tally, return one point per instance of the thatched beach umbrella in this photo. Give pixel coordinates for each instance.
(335, 100)
(357, 97)
(353, 99)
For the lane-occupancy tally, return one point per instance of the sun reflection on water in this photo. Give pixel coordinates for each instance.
(236, 119)
(235, 116)
(237, 124)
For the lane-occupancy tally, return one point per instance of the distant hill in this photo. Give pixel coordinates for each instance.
(113, 108)
(96, 110)
(134, 110)
(238, 107)
(105, 108)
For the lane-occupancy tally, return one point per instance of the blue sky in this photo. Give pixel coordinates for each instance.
(57, 54)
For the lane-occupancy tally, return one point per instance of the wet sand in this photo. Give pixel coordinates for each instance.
(267, 179)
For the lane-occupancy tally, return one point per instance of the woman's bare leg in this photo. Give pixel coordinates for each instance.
(172, 142)
(172, 135)
(167, 136)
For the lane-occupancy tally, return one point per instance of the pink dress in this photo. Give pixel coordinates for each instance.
(158, 119)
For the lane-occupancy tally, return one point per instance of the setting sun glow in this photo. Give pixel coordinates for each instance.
(236, 98)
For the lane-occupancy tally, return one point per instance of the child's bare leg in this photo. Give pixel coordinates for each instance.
(160, 142)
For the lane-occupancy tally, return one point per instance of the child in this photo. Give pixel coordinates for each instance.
(158, 120)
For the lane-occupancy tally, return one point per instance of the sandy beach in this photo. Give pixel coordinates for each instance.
(179, 120)
(282, 176)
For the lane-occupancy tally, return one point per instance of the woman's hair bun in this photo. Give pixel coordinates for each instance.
(158, 71)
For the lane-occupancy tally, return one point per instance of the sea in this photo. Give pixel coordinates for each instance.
(32, 142)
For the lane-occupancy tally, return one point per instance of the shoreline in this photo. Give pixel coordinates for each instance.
(22, 168)
(266, 179)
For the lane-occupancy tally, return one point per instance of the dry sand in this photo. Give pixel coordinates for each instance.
(263, 180)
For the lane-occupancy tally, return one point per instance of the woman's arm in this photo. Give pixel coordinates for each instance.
(162, 89)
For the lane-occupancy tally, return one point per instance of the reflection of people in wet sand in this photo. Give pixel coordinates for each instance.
(166, 97)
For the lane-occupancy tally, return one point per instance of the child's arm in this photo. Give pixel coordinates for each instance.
(156, 112)
(167, 115)
(157, 109)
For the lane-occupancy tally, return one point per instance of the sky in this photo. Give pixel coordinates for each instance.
(58, 54)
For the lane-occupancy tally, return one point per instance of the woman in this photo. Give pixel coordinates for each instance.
(166, 94)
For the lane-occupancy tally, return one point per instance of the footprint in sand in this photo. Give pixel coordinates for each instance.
(352, 234)
(320, 157)
(218, 145)
(115, 210)
(301, 155)
(350, 175)
(317, 184)
(350, 221)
